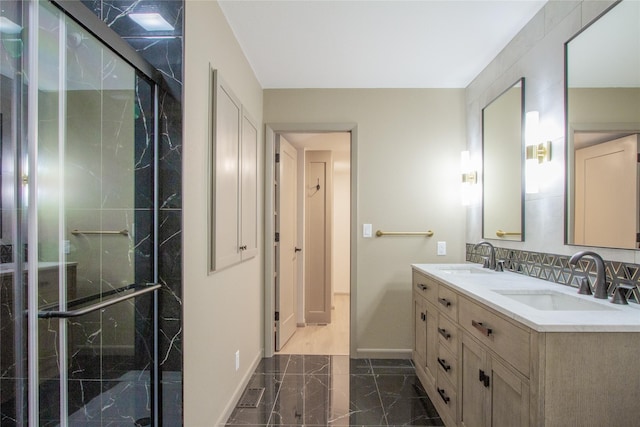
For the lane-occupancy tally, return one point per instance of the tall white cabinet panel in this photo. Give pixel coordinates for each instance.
(249, 187)
(234, 179)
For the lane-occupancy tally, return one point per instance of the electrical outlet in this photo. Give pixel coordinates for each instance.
(237, 360)
(442, 248)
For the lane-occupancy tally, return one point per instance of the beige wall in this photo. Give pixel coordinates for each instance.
(601, 108)
(223, 311)
(408, 177)
(537, 53)
(341, 221)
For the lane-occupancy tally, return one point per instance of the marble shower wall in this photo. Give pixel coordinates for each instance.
(164, 50)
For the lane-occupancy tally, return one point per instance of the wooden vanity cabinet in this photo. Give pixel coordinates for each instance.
(482, 368)
(425, 326)
(492, 394)
(457, 343)
(436, 343)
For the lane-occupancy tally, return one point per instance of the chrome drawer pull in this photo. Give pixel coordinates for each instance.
(483, 378)
(443, 395)
(444, 365)
(483, 329)
(444, 333)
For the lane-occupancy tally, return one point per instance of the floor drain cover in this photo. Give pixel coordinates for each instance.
(251, 398)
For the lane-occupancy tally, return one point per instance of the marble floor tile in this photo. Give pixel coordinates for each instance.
(405, 402)
(337, 391)
(312, 364)
(275, 364)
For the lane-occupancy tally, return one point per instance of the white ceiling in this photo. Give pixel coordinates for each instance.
(374, 43)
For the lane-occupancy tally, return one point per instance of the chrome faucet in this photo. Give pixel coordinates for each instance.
(492, 264)
(600, 284)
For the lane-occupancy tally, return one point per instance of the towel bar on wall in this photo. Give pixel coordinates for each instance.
(501, 233)
(427, 233)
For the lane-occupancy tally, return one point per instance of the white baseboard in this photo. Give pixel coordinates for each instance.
(237, 394)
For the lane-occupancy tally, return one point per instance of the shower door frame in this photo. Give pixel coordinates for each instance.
(84, 17)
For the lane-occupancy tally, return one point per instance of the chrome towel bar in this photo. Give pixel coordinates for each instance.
(124, 232)
(95, 307)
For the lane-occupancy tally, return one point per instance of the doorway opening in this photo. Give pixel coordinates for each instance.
(309, 262)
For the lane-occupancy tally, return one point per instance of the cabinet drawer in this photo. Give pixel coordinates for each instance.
(448, 302)
(448, 334)
(503, 337)
(447, 399)
(426, 287)
(447, 365)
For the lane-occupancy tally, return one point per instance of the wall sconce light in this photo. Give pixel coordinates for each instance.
(536, 152)
(540, 153)
(469, 178)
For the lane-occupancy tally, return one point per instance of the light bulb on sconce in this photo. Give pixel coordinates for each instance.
(536, 152)
(469, 179)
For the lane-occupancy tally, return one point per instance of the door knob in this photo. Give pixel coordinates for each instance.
(298, 249)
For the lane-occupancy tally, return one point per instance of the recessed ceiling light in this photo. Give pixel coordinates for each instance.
(151, 21)
(7, 26)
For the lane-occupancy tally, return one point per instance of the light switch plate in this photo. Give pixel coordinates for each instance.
(367, 230)
(442, 248)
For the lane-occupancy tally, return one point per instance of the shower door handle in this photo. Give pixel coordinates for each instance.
(46, 314)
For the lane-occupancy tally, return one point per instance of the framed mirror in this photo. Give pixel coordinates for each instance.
(602, 96)
(502, 166)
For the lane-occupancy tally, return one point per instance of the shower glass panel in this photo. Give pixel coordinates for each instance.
(77, 183)
(13, 324)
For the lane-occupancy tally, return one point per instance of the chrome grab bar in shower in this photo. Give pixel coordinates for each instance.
(124, 232)
(46, 314)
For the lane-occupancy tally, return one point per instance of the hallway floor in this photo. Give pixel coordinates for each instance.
(323, 339)
(337, 391)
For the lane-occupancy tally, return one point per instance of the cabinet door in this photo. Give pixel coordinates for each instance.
(431, 354)
(225, 175)
(249, 188)
(472, 394)
(420, 335)
(509, 397)
(426, 336)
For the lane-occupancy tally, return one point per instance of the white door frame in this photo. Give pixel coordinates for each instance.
(271, 130)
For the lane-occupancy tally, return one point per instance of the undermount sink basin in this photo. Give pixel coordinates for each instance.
(552, 300)
(463, 270)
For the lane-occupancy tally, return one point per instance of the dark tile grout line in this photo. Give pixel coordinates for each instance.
(375, 381)
(275, 400)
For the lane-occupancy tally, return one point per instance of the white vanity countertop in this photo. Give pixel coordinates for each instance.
(498, 290)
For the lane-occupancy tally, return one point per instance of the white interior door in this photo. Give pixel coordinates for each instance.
(286, 250)
(603, 191)
(318, 232)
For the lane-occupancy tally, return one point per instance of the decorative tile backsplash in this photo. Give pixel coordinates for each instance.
(556, 268)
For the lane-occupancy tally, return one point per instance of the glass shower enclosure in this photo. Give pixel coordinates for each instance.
(78, 226)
